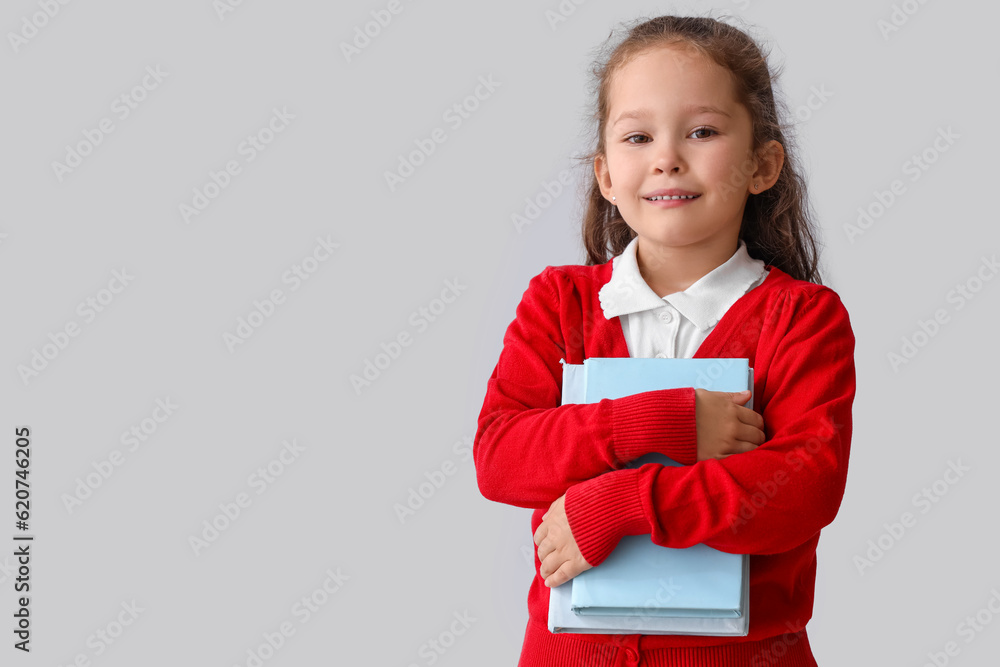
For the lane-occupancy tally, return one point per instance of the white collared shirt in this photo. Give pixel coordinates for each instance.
(674, 326)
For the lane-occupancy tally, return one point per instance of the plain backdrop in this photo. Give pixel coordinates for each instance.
(244, 285)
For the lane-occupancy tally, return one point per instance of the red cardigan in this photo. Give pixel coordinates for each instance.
(770, 502)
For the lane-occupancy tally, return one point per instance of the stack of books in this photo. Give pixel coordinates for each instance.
(642, 587)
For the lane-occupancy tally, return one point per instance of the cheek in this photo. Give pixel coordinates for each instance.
(624, 171)
(728, 169)
(617, 162)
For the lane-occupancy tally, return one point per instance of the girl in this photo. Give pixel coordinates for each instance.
(697, 197)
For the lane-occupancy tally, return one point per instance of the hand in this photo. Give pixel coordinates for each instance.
(560, 557)
(725, 427)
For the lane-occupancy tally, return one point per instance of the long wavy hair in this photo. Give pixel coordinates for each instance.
(777, 224)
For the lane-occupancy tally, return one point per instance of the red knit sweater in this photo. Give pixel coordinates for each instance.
(770, 502)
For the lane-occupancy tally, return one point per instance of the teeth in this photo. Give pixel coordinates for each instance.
(674, 197)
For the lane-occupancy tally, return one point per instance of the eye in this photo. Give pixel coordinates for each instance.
(704, 129)
(634, 136)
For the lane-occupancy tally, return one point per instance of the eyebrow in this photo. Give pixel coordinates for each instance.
(692, 109)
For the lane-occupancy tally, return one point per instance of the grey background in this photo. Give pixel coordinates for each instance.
(323, 176)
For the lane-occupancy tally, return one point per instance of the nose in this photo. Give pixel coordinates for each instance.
(668, 157)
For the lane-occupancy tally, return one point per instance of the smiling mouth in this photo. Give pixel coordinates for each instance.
(660, 198)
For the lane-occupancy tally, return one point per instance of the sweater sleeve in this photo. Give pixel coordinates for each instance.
(768, 500)
(529, 449)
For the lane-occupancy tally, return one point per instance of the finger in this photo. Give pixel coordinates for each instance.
(748, 416)
(750, 434)
(740, 397)
(549, 564)
(565, 572)
(737, 447)
(540, 534)
(548, 547)
(543, 551)
(738, 442)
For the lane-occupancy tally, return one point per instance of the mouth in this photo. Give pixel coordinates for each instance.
(671, 201)
(671, 197)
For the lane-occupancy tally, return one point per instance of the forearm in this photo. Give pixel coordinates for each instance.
(530, 457)
(766, 501)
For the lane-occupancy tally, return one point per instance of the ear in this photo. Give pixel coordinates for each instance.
(770, 159)
(603, 176)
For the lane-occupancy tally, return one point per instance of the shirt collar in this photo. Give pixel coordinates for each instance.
(703, 303)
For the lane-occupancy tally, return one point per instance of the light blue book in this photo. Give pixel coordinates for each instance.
(696, 581)
(642, 587)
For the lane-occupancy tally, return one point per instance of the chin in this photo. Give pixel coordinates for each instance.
(672, 239)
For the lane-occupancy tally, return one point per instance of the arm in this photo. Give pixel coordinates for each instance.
(528, 447)
(765, 501)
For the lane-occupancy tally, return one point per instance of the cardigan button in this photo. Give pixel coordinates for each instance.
(631, 656)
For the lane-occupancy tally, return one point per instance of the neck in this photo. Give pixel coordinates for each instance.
(670, 269)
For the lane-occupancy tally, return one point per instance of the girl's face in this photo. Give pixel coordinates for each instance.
(673, 123)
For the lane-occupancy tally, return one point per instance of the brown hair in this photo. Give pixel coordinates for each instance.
(777, 224)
